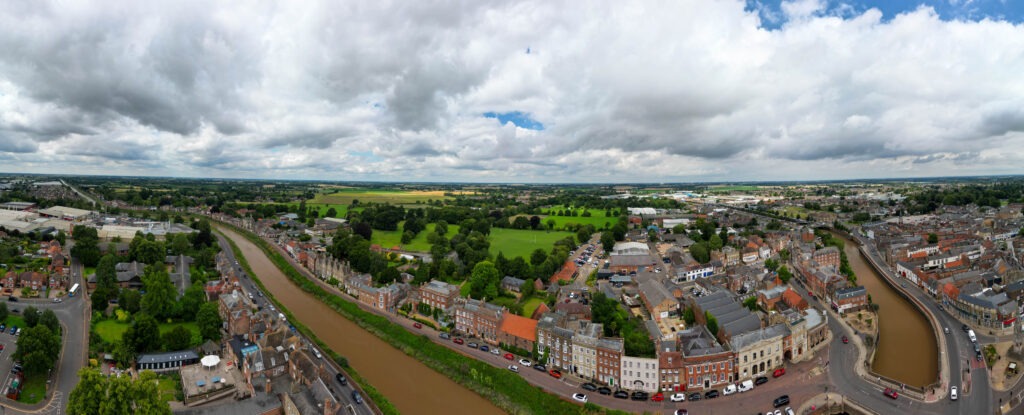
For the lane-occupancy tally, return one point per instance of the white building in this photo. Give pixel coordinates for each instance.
(639, 373)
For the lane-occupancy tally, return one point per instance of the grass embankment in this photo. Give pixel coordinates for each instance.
(505, 389)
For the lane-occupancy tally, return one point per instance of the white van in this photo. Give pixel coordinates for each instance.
(970, 335)
(746, 385)
(729, 390)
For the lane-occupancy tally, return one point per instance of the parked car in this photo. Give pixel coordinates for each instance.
(484, 348)
(540, 367)
(1, 347)
(677, 397)
(579, 397)
(604, 390)
(356, 397)
(746, 385)
(417, 325)
(458, 340)
(639, 396)
(445, 336)
(682, 412)
(341, 379)
(694, 396)
(513, 368)
(781, 401)
(14, 329)
(711, 394)
(509, 356)
(589, 387)
(761, 380)
(621, 394)
(891, 393)
(525, 362)
(472, 345)
(12, 299)
(952, 389)
(779, 372)
(789, 411)
(555, 374)
(729, 390)
(496, 351)
(3, 327)
(658, 397)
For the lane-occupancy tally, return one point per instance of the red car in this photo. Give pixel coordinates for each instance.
(891, 393)
(845, 340)
(555, 374)
(509, 356)
(658, 397)
(417, 325)
(458, 340)
(779, 372)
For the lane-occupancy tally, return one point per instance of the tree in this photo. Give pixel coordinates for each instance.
(528, 288)
(689, 317)
(194, 297)
(711, 323)
(87, 248)
(407, 237)
(700, 252)
(96, 394)
(209, 321)
(771, 264)
(203, 238)
(538, 256)
(31, 316)
(521, 222)
(715, 243)
(49, 319)
(933, 238)
(362, 229)
(534, 222)
(178, 338)
(143, 335)
(751, 303)
(551, 223)
(484, 280)
(38, 348)
(3, 311)
(130, 300)
(106, 283)
(180, 244)
(607, 241)
(160, 296)
(90, 391)
(785, 275)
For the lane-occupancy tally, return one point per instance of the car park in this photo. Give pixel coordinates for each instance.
(341, 379)
(781, 401)
(658, 397)
(525, 362)
(761, 380)
(590, 387)
(604, 390)
(694, 396)
(677, 397)
(711, 394)
(891, 393)
(621, 394)
(513, 368)
(579, 397)
(779, 372)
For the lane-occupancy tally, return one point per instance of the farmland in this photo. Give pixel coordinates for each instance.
(395, 197)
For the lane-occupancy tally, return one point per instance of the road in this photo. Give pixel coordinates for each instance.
(73, 314)
(80, 193)
(342, 393)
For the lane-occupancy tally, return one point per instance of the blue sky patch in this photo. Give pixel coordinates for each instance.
(772, 16)
(520, 119)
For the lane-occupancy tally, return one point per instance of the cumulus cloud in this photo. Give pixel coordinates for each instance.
(707, 90)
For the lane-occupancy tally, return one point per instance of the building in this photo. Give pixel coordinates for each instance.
(850, 299)
(478, 318)
(639, 373)
(554, 340)
(66, 213)
(759, 352)
(609, 359)
(517, 331)
(705, 363)
(584, 350)
(166, 362)
(629, 256)
(512, 284)
(438, 294)
(733, 318)
(827, 257)
(658, 300)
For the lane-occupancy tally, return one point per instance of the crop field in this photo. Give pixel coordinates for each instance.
(395, 197)
(515, 242)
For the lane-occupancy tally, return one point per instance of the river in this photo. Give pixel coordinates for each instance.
(906, 350)
(411, 386)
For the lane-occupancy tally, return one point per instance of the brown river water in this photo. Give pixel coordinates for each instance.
(411, 386)
(906, 350)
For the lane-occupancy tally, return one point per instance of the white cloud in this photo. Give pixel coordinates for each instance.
(635, 92)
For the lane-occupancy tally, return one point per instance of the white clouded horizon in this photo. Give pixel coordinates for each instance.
(398, 91)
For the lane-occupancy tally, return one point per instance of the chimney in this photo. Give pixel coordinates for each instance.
(267, 387)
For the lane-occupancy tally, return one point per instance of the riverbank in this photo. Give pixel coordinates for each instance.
(504, 389)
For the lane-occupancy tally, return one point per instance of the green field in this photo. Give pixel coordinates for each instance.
(33, 390)
(515, 242)
(597, 218)
(112, 330)
(388, 239)
(395, 197)
(791, 211)
(342, 209)
(530, 306)
(13, 320)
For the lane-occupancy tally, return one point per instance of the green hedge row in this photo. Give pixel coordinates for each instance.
(505, 389)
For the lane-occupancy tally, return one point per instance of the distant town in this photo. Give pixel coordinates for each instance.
(810, 298)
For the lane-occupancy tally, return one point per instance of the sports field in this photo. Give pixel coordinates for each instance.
(395, 197)
(597, 218)
(388, 239)
(515, 242)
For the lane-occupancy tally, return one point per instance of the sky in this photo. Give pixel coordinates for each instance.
(545, 91)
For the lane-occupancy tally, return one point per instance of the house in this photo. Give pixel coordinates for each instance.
(478, 318)
(658, 300)
(849, 299)
(512, 284)
(438, 294)
(639, 373)
(517, 331)
(827, 257)
(584, 350)
(706, 363)
(166, 362)
(554, 339)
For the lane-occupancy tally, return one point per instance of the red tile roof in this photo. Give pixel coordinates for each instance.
(565, 273)
(521, 327)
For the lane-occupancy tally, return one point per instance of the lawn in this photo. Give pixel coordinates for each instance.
(34, 389)
(792, 211)
(13, 320)
(515, 242)
(395, 197)
(388, 239)
(597, 218)
(464, 289)
(530, 306)
(168, 388)
(112, 330)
